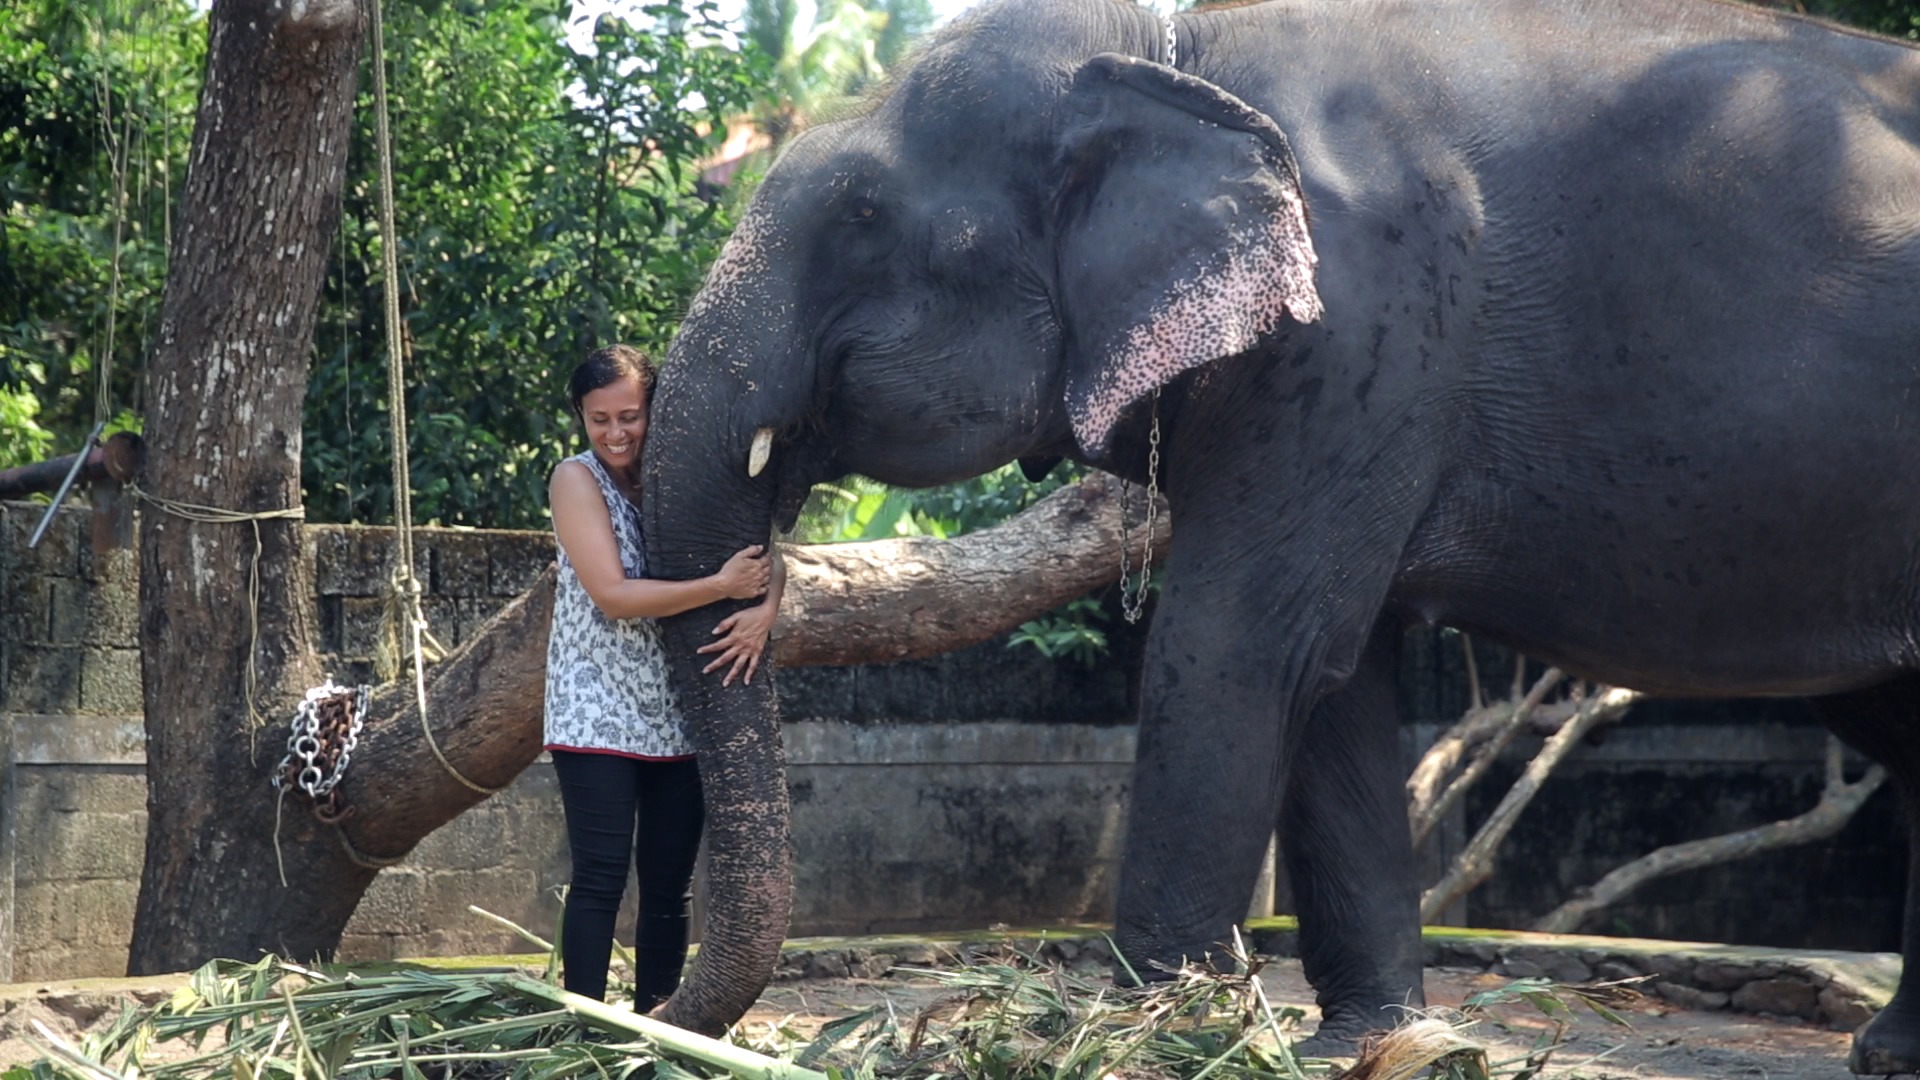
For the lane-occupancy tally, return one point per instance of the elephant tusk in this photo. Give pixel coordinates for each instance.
(762, 448)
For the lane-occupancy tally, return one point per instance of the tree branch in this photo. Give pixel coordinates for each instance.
(1475, 864)
(1838, 802)
(1484, 733)
(886, 600)
(845, 604)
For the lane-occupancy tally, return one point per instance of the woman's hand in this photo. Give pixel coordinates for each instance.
(745, 575)
(745, 641)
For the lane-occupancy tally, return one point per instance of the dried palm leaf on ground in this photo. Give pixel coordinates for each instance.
(281, 1020)
(1005, 1018)
(1011, 1017)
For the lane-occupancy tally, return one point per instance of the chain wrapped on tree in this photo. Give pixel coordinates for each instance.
(326, 730)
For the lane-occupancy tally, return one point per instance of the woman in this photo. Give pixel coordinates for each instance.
(620, 747)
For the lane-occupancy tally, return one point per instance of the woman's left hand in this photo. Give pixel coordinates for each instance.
(745, 640)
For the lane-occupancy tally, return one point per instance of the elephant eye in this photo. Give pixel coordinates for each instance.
(862, 210)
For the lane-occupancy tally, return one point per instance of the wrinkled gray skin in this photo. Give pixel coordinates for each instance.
(1619, 363)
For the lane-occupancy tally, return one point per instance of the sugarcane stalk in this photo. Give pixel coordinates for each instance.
(737, 1060)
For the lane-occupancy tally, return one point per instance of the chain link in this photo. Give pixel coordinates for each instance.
(326, 730)
(1133, 599)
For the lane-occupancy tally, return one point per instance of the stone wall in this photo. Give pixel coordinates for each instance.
(983, 787)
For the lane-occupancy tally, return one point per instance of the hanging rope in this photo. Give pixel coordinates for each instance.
(118, 151)
(403, 596)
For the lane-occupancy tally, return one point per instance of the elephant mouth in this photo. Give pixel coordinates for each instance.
(796, 468)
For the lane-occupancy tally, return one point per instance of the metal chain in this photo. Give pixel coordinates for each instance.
(1133, 600)
(1133, 597)
(325, 732)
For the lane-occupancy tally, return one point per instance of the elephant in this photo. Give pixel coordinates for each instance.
(1587, 328)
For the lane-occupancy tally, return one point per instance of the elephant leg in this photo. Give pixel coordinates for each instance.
(1349, 855)
(1881, 722)
(1234, 660)
(1205, 789)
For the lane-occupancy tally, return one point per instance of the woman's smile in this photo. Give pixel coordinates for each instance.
(616, 419)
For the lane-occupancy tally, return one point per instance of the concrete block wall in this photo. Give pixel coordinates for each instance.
(467, 576)
(904, 827)
(986, 786)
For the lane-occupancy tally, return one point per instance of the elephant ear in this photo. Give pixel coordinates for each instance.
(1182, 234)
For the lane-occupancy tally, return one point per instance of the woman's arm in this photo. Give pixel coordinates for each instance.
(585, 532)
(748, 631)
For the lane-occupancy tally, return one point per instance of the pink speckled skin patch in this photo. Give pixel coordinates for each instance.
(1263, 277)
(1193, 244)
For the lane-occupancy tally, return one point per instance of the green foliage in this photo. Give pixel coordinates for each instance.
(546, 204)
(820, 64)
(96, 109)
(22, 439)
(861, 509)
(1067, 634)
(1899, 18)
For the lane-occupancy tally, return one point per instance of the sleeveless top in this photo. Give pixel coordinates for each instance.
(607, 686)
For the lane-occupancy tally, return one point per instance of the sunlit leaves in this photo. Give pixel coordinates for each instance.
(546, 201)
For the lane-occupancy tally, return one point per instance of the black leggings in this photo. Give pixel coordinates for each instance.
(606, 796)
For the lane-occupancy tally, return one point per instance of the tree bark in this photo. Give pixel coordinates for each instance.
(886, 600)
(1479, 738)
(225, 389)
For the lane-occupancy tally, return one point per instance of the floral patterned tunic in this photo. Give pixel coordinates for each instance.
(607, 686)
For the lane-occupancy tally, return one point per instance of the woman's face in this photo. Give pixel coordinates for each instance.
(616, 419)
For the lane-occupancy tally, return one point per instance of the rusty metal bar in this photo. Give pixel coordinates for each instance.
(118, 458)
(114, 463)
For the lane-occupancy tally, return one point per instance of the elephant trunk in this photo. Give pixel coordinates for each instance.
(749, 866)
(700, 506)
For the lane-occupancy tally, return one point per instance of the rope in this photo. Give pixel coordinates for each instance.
(103, 383)
(360, 858)
(404, 587)
(217, 515)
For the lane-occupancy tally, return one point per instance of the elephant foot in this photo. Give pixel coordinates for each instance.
(1888, 1044)
(1321, 1046)
(1340, 1033)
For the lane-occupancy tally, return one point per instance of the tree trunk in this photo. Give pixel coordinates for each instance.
(226, 386)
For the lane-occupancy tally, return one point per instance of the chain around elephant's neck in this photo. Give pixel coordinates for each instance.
(1133, 600)
(1133, 594)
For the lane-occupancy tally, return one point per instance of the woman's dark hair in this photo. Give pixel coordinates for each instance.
(606, 366)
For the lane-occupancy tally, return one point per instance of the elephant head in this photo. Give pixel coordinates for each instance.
(1035, 228)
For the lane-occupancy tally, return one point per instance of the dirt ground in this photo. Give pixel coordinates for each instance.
(1665, 1043)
